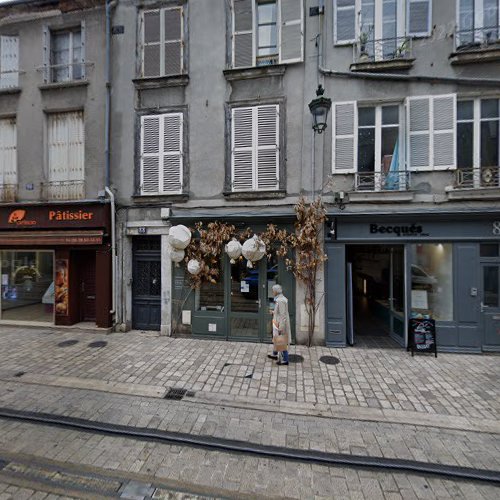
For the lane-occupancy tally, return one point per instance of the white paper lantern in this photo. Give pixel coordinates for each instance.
(176, 255)
(194, 267)
(180, 237)
(233, 250)
(253, 250)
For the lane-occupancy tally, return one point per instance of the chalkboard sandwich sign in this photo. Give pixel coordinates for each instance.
(423, 335)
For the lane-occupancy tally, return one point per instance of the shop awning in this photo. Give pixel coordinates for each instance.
(51, 238)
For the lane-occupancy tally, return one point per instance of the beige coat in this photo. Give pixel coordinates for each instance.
(281, 318)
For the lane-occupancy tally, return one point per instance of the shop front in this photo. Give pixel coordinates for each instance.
(55, 264)
(385, 269)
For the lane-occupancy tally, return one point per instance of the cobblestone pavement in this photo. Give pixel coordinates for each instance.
(388, 380)
(225, 475)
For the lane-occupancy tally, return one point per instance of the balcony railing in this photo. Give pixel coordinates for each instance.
(384, 49)
(484, 177)
(64, 190)
(397, 180)
(477, 39)
(8, 193)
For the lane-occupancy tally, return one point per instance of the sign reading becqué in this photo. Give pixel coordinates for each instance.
(55, 216)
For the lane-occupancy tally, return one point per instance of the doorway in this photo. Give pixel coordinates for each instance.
(87, 286)
(490, 303)
(376, 295)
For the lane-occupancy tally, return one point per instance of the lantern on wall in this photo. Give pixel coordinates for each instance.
(233, 250)
(179, 236)
(253, 250)
(194, 267)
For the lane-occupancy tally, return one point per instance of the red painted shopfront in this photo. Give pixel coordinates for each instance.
(56, 263)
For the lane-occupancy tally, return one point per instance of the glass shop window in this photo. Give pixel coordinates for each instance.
(432, 280)
(210, 296)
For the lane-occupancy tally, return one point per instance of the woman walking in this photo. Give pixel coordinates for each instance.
(281, 324)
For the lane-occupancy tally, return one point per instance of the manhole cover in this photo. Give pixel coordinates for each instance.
(67, 343)
(329, 360)
(295, 358)
(176, 394)
(98, 343)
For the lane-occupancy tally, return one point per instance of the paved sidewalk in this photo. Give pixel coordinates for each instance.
(455, 390)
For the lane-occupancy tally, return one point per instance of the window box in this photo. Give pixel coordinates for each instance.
(382, 55)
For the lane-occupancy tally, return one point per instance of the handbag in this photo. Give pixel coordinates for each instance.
(280, 342)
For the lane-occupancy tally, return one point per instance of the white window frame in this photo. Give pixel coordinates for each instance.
(70, 32)
(478, 14)
(255, 25)
(162, 42)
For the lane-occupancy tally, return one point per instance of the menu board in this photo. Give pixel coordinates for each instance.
(422, 335)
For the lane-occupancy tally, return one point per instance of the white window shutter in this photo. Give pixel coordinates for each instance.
(151, 58)
(419, 15)
(242, 33)
(46, 54)
(173, 41)
(9, 61)
(83, 42)
(291, 35)
(242, 156)
(419, 132)
(150, 154)
(172, 161)
(8, 152)
(444, 132)
(76, 146)
(267, 154)
(344, 21)
(345, 131)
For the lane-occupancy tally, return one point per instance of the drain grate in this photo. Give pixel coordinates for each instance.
(67, 343)
(329, 360)
(175, 394)
(295, 358)
(19, 374)
(98, 343)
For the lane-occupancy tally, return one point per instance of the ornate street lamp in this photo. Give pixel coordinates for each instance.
(319, 109)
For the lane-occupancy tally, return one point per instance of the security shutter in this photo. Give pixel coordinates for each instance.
(292, 31)
(345, 21)
(419, 17)
(8, 152)
(344, 128)
(242, 33)
(162, 153)
(255, 148)
(9, 66)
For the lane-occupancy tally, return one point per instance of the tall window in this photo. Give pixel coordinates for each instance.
(66, 56)
(162, 42)
(255, 148)
(66, 155)
(162, 154)
(9, 61)
(478, 22)
(267, 33)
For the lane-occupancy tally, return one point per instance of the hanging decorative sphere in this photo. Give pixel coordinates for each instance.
(254, 249)
(179, 236)
(193, 267)
(176, 255)
(233, 250)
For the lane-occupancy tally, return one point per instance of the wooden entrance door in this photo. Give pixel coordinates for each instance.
(87, 286)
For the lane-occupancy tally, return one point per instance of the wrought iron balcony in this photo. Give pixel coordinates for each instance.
(64, 190)
(472, 40)
(8, 193)
(478, 178)
(397, 180)
(267, 60)
(382, 50)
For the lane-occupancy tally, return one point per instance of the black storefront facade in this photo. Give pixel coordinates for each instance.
(384, 269)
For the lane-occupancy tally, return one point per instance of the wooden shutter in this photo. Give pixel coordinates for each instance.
(173, 41)
(444, 132)
(151, 43)
(291, 34)
(76, 146)
(46, 53)
(242, 134)
(8, 152)
(9, 61)
(419, 133)
(419, 16)
(242, 33)
(172, 167)
(345, 130)
(344, 21)
(267, 151)
(150, 154)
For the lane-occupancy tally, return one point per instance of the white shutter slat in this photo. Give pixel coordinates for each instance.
(344, 137)
(444, 132)
(150, 154)
(291, 36)
(242, 33)
(172, 153)
(76, 146)
(173, 41)
(8, 152)
(242, 158)
(9, 61)
(267, 157)
(345, 21)
(419, 133)
(419, 17)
